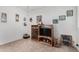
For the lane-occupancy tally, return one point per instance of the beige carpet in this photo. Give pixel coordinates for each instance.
(28, 45)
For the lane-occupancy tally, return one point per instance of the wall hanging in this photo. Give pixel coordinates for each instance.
(39, 19)
(24, 19)
(31, 19)
(62, 17)
(17, 17)
(55, 21)
(3, 17)
(25, 24)
(69, 12)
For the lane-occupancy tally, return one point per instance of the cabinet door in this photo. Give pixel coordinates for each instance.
(34, 33)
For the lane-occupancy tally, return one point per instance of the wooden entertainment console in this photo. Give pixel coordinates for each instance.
(43, 33)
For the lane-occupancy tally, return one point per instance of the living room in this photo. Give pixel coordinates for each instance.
(18, 20)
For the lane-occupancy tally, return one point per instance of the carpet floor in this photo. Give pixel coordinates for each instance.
(28, 45)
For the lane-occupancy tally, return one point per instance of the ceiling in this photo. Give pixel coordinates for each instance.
(34, 7)
(29, 8)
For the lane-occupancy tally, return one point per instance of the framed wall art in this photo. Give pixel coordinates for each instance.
(3, 17)
(55, 21)
(25, 24)
(62, 17)
(24, 19)
(31, 19)
(17, 17)
(39, 19)
(69, 13)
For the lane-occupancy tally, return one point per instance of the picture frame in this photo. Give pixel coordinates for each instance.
(39, 18)
(69, 13)
(24, 19)
(31, 19)
(25, 24)
(62, 17)
(17, 17)
(3, 17)
(55, 21)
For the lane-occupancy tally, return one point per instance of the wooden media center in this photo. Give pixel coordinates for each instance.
(43, 33)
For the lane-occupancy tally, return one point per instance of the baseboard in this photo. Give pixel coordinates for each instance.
(2, 43)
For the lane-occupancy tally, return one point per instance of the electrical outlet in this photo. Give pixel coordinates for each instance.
(77, 45)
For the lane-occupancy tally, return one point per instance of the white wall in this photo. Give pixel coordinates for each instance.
(12, 30)
(77, 26)
(69, 26)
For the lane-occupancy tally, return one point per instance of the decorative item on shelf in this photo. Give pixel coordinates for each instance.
(42, 23)
(24, 19)
(55, 21)
(31, 19)
(39, 19)
(17, 17)
(62, 17)
(69, 13)
(4, 17)
(25, 24)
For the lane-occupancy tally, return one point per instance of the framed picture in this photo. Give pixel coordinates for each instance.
(55, 21)
(39, 18)
(31, 19)
(62, 17)
(24, 18)
(4, 17)
(17, 17)
(25, 24)
(69, 12)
